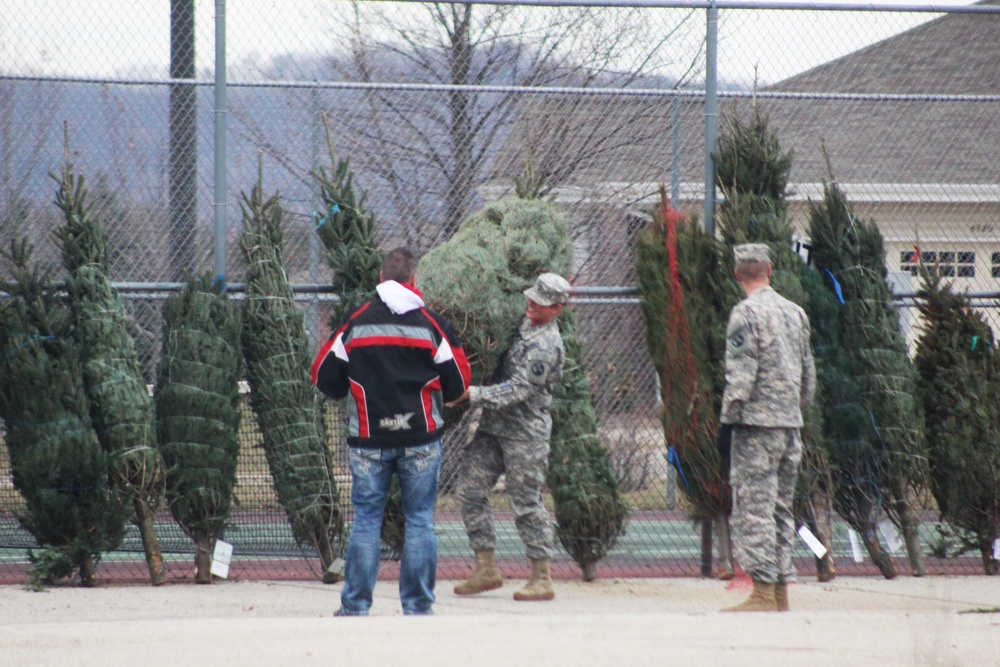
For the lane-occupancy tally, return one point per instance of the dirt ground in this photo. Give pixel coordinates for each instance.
(932, 621)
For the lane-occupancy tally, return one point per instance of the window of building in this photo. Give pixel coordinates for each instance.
(995, 261)
(945, 263)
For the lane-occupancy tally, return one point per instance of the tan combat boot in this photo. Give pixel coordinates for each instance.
(485, 578)
(761, 599)
(539, 586)
(781, 596)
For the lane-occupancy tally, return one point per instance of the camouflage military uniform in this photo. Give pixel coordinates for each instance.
(770, 381)
(513, 438)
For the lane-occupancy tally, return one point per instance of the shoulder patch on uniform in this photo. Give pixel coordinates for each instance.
(737, 340)
(736, 332)
(539, 364)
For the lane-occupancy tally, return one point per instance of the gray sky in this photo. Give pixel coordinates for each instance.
(123, 37)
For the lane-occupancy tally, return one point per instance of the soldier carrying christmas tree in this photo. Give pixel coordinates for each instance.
(513, 438)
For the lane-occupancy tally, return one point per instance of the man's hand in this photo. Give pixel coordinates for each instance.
(464, 398)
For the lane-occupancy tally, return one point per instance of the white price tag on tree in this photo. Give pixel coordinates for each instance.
(812, 541)
(890, 535)
(855, 539)
(221, 557)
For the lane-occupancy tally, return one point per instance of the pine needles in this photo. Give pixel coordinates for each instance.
(120, 406)
(58, 464)
(958, 367)
(197, 411)
(288, 409)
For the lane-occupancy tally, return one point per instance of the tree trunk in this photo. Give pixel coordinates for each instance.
(706, 547)
(462, 134)
(724, 542)
(144, 519)
(203, 562)
(589, 571)
(910, 525)
(883, 561)
(990, 564)
(87, 576)
(326, 559)
(821, 524)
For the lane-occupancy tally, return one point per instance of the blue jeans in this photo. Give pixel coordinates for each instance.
(371, 471)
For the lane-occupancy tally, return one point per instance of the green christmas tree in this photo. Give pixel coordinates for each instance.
(348, 233)
(57, 462)
(120, 405)
(884, 472)
(477, 280)
(684, 305)
(958, 368)
(289, 410)
(752, 171)
(197, 412)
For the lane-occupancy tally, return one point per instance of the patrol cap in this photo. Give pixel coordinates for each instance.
(751, 253)
(549, 289)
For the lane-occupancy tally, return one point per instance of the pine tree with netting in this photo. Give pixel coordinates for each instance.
(58, 465)
(348, 231)
(120, 405)
(684, 305)
(958, 368)
(752, 172)
(197, 412)
(288, 408)
(885, 473)
(477, 280)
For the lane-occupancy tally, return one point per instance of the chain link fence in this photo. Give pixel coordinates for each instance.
(439, 108)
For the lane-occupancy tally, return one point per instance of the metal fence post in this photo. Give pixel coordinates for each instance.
(711, 112)
(220, 139)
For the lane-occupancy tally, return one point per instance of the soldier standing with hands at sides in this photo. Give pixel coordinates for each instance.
(770, 381)
(399, 363)
(513, 439)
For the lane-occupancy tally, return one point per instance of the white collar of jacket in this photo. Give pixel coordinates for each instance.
(399, 298)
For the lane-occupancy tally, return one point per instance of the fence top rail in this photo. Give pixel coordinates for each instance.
(734, 4)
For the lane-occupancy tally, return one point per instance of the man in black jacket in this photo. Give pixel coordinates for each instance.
(397, 363)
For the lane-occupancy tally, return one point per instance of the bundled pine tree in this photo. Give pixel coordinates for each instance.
(884, 472)
(958, 368)
(347, 230)
(477, 280)
(590, 513)
(348, 233)
(57, 462)
(289, 410)
(684, 306)
(752, 172)
(197, 412)
(120, 405)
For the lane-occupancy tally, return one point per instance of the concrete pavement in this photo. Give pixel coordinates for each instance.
(932, 621)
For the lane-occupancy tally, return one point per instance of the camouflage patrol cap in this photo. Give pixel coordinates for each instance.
(751, 253)
(549, 289)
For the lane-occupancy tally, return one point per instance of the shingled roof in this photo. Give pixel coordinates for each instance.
(905, 136)
(902, 140)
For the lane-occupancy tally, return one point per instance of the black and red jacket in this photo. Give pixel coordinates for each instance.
(398, 363)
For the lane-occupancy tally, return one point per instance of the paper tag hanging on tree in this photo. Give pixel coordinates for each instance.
(812, 541)
(996, 549)
(890, 535)
(221, 558)
(855, 539)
